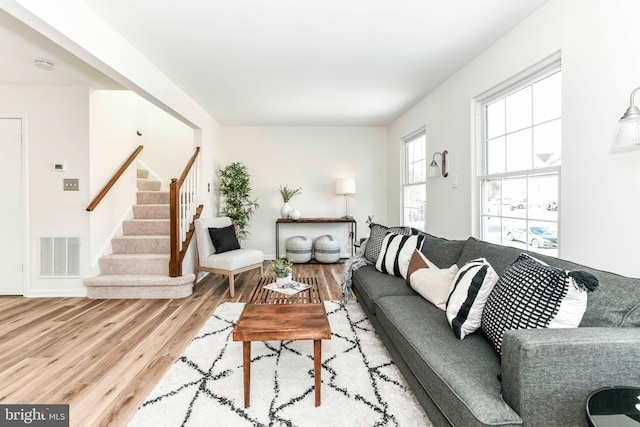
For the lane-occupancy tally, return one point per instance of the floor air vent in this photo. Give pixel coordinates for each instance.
(59, 257)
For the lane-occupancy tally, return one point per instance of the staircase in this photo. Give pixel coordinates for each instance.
(139, 264)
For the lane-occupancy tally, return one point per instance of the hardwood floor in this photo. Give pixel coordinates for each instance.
(103, 357)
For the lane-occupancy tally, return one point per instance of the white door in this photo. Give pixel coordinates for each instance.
(12, 213)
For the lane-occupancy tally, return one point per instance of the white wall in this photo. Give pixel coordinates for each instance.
(600, 68)
(168, 143)
(113, 139)
(311, 158)
(57, 132)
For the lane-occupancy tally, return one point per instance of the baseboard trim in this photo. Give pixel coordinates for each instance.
(56, 293)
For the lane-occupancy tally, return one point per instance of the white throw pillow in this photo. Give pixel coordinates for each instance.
(396, 252)
(469, 292)
(433, 283)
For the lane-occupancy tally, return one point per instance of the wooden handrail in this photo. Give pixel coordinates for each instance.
(178, 248)
(187, 168)
(114, 179)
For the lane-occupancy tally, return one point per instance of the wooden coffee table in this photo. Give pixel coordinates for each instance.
(282, 317)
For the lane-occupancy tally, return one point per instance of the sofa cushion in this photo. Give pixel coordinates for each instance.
(370, 285)
(532, 295)
(377, 233)
(442, 252)
(469, 292)
(616, 302)
(460, 376)
(396, 252)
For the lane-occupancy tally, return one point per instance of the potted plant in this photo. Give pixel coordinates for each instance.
(283, 269)
(235, 186)
(287, 193)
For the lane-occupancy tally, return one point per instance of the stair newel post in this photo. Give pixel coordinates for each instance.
(175, 266)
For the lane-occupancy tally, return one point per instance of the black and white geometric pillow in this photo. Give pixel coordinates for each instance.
(531, 294)
(376, 235)
(469, 291)
(396, 252)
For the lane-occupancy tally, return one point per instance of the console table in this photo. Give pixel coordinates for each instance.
(353, 228)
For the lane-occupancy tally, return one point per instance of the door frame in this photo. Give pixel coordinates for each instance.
(24, 208)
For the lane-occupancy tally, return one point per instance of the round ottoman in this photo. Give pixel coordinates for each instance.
(327, 249)
(299, 249)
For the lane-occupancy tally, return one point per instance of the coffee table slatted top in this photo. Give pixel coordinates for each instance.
(260, 295)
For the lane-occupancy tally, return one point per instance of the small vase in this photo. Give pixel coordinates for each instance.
(295, 214)
(285, 211)
(280, 281)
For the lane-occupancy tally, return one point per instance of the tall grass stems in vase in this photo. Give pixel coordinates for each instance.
(287, 193)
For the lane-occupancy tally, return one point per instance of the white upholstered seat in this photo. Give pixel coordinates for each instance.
(226, 263)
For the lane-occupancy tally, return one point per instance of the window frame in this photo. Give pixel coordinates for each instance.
(404, 184)
(545, 68)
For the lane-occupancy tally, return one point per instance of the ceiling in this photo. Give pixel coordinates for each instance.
(287, 62)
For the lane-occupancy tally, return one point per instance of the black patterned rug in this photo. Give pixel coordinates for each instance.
(360, 384)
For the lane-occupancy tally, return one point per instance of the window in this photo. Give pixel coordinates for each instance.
(520, 164)
(414, 189)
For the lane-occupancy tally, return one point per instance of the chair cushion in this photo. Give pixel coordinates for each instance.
(205, 245)
(233, 260)
(224, 239)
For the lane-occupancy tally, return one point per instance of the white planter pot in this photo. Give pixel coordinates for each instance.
(283, 280)
(295, 214)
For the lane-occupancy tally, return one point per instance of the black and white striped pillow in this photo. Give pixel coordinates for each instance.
(469, 292)
(531, 294)
(396, 252)
(376, 236)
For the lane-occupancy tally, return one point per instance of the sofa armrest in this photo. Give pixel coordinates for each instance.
(547, 374)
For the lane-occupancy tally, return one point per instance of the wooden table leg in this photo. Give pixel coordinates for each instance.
(317, 367)
(246, 365)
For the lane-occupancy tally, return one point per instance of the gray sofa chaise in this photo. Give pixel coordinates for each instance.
(544, 375)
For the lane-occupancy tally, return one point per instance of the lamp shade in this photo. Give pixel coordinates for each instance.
(434, 170)
(346, 186)
(628, 131)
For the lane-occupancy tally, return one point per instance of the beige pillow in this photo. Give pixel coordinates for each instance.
(432, 282)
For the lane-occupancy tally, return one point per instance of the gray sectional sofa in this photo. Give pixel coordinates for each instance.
(544, 375)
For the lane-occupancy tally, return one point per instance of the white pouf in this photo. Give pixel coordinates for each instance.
(327, 249)
(299, 249)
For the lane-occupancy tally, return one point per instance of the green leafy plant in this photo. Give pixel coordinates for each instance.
(235, 187)
(287, 193)
(281, 267)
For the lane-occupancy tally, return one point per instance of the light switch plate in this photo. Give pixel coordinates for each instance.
(70, 184)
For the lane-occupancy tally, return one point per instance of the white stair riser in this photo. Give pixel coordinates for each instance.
(136, 227)
(134, 265)
(148, 185)
(142, 245)
(153, 197)
(151, 211)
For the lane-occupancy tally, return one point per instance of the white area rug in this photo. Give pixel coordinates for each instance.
(360, 384)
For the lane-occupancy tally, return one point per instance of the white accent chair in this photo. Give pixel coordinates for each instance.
(226, 263)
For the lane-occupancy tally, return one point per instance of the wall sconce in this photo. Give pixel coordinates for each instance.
(628, 131)
(434, 170)
(346, 187)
